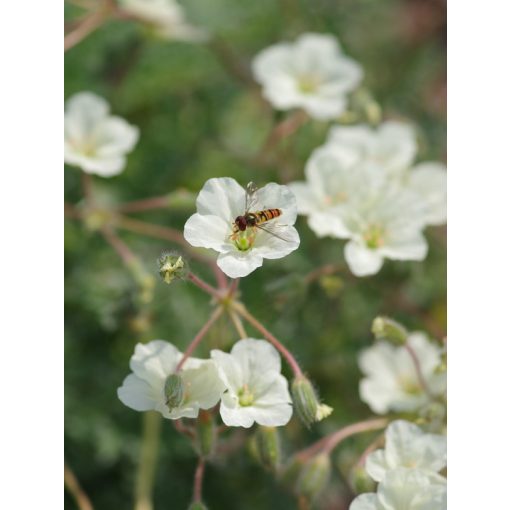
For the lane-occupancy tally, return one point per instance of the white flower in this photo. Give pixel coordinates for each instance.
(94, 140)
(256, 390)
(393, 147)
(166, 16)
(407, 446)
(219, 203)
(392, 382)
(381, 219)
(152, 364)
(405, 489)
(310, 73)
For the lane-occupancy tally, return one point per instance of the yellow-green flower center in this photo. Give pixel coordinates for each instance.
(373, 237)
(246, 397)
(243, 241)
(308, 83)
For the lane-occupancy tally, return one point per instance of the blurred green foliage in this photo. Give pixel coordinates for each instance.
(198, 120)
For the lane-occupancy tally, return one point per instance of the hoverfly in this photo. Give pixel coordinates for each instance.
(256, 219)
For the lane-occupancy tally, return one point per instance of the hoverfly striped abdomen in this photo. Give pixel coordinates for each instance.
(266, 215)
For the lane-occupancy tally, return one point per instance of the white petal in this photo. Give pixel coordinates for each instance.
(223, 197)
(428, 353)
(429, 182)
(324, 108)
(365, 502)
(203, 385)
(272, 196)
(236, 264)
(229, 369)
(87, 106)
(271, 62)
(328, 223)
(114, 136)
(376, 465)
(413, 247)
(104, 167)
(154, 361)
(208, 231)
(306, 201)
(256, 356)
(235, 416)
(361, 260)
(137, 394)
(270, 246)
(276, 415)
(377, 396)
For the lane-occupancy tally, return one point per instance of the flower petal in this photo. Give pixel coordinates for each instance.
(273, 196)
(137, 394)
(365, 502)
(361, 260)
(376, 465)
(154, 361)
(114, 136)
(223, 197)
(411, 247)
(236, 264)
(208, 231)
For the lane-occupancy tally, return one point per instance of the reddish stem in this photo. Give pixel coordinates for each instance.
(198, 338)
(417, 366)
(118, 245)
(192, 277)
(199, 477)
(145, 204)
(241, 310)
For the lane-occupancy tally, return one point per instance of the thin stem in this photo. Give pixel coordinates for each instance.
(233, 287)
(75, 489)
(183, 429)
(89, 24)
(237, 324)
(127, 256)
(241, 310)
(145, 204)
(329, 443)
(417, 367)
(200, 335)
(199, 478)
(86, 184)
(148, 460)
(378, 441)
(192, 277)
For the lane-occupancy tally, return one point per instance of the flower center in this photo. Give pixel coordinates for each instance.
(246, 397)
(410, 386)
(243, 241)
(308, 83)
(373, 237)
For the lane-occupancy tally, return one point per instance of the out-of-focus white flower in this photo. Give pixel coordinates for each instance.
(310, 73)
(94, 140)
(405, 489)
(197, 386)
(166, 16)
(407, 446)
(391, 381)
(393, 147)
(220, 202)
(380, 218)
(256, 390)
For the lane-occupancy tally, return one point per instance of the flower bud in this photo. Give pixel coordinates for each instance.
(360, 480)
(307, 403)
(314, 476)
(171, 266)
(206, 433)
(389, 330)
(289, 475)
(266, 444)
(174, 391)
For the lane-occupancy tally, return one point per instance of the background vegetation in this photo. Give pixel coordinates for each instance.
(201, 117)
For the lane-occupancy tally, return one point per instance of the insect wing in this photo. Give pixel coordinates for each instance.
(251, 198)
(275, 230)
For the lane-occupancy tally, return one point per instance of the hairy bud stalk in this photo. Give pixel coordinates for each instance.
(306, 402)
(314, 476)
(206, 433)
(389, 330)
(266, 447)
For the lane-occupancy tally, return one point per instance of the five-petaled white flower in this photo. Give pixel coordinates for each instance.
(256, 390)
(94, 140)
(197, 386)
(310, 73)
(404, 488)
(407, 446)
(392, 382)
(167, 18)
(220, 202)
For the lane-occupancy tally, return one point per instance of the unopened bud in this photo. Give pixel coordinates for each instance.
(289, 475)
(389, 330)
(171, 266)
(306, 402)
(206, 433)
(174, 391)
(266, 445)
(360, 480)
(314, 476)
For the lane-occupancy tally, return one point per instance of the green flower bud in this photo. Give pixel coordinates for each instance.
(306, 402)
(314, 476)
(174, 391)
(171, 266)
(389, 330)
(266, 445)
(361, 481)
(206, 433)
(289, 475)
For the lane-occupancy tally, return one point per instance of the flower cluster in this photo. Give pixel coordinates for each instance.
(247, 380)
(220, 203)
(407, 470)
(361, 186)
(94, 140)
(392, 381)
(311, 74)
